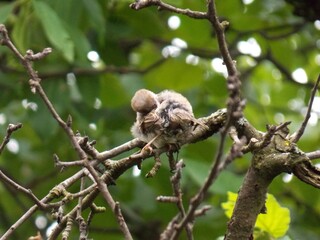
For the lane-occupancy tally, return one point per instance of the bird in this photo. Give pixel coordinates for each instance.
(162, 120)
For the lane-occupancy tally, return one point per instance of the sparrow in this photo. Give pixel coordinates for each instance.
(162, 119)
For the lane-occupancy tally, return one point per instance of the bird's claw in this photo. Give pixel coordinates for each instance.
(155, 167)
(147, 150)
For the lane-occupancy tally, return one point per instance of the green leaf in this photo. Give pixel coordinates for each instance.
(5, 11)
(81, 43)
(54, 29)
(70, 11)
(21, 29)
(96, 16)
(275, 222)
(138, 25)
(229, 205)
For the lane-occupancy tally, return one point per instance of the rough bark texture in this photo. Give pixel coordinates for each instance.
(250, 202)
(270, 158)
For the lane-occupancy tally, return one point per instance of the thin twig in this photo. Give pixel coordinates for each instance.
(234, 112)
(139, 4)
(37, 88)
(235, 104)
(27, 192)
(82, 183)
(313, 155)
(271, 130)
(115, 206)
(11, 128)
(285, 72)
(298, 134)
(35, 85)
(197, 199)
(219, 29)
(176, 199)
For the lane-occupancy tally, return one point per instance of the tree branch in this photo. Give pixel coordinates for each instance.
(27, 192)
(235, 104)
(36, 87)
(298, 134)
(10, 129)
(271, 157)
(176, 199)
(140, 4)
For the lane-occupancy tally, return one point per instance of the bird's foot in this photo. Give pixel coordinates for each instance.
(147, 150)
(155, 167)
(173, 147)
(172, 160)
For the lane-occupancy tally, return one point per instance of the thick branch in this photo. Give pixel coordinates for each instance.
(270, 158)
(250, 201)
(307, 173)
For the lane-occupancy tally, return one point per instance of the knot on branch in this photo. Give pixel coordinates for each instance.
(13, 127)
(58, 191)
(225, 24)
(37, 56)
(34, 85)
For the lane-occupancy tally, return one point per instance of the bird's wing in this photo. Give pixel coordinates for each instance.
(180, 118)
(150, 122)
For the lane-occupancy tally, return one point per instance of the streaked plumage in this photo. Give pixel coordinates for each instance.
(162, 119)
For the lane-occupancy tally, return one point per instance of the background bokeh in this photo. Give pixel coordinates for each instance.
(103, 52)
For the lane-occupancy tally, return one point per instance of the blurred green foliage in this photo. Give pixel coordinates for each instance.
(97, 96)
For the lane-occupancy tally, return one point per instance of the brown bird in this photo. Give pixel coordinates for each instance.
(163, 119)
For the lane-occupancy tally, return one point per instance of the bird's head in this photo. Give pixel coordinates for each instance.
(144, 101)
